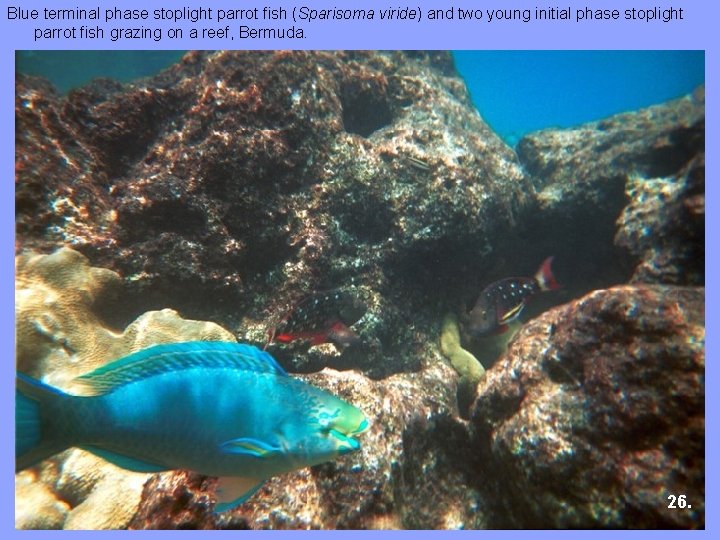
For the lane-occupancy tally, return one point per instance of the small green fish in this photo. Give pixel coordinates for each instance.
(220, 409)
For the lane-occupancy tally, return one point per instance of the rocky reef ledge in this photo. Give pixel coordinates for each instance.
(596, 414)
(206, 201)
(606, 391)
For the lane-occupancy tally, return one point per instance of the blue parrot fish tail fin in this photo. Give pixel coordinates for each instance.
(32, 442)
(232, 491)
(27, 423)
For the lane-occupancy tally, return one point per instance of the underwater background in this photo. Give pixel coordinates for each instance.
(516, 91)
(496, 262)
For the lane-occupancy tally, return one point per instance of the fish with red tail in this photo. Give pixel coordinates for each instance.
(321, 318)
(502, 301)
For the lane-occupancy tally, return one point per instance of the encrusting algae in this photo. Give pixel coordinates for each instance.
(471, 368)
(467, 366)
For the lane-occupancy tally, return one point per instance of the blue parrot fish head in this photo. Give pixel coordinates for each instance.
(330, 430)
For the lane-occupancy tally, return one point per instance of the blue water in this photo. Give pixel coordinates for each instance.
(70, 69)
(518, 92)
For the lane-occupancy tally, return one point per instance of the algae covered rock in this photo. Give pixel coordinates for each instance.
(596, 414)
(622, 198)
(664, 226)
(236, 181)
(468, 367)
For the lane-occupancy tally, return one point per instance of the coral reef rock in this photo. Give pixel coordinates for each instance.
(61, 334)
(36, 507)
(235, 181)
(664, 226)
(56, 301)
(647, 165)
(408, 474)
(595, 415)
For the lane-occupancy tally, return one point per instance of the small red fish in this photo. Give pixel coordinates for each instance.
(321, 318)
(503, 301)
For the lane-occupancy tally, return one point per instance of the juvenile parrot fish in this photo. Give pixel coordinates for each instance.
(219, 409)
(502, 301)
(321, 318)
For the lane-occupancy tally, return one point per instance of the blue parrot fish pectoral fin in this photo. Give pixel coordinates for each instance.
(232, 491)
(250, 447)
(124, 462)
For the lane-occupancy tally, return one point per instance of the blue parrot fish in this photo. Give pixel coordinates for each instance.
(219, 409)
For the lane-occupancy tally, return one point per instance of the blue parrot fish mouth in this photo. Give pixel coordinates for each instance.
(346, 444)
(362, 427)
(346, 441)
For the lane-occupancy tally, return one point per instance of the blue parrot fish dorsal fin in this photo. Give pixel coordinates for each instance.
(250, 447)
(125, 462)
(174, 357)
(232, 491)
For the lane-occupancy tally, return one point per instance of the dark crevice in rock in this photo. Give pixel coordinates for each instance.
(435, 275)
(666, 158)
(369, 220)
(192, 300)
(162, 216)
(581, 238)
(119, 123)
(364, 110)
